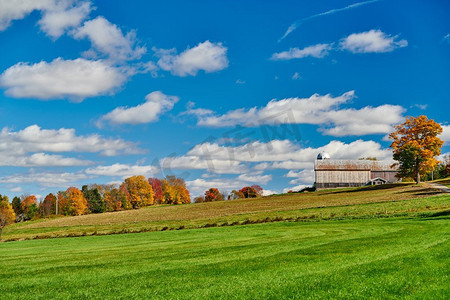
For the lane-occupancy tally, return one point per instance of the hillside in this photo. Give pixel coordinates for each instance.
(385, 258)
(362, 202)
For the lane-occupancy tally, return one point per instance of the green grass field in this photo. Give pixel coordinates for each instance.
(367, 202)
(379, 242)
(374, 258)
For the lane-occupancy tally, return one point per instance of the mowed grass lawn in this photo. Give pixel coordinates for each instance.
(375, 201)
(372, 258)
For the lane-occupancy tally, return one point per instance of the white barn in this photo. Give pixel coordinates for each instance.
(330, 173)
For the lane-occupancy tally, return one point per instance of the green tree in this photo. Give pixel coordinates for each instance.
(17, 206)
(94, 200)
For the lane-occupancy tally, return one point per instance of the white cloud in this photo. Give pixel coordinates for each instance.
(108, 39)
(16, 189)
(47, 179)
(371, 41)
(317, 51)
(65, 14)
(16, 146)
(317, 109)
(40, 160)
(445, 136)
(257, 179)
(303, 177)
(297, 23)
(295, 188)
(123, 170)
(212, 165)
(420, 106)
(17, 9)
(269, 192)
(73, 79)
(57, 15)
(156, 104)
(206, 56)
(260, 156)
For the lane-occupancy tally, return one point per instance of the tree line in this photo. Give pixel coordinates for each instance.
(135, 192)
(213, 194)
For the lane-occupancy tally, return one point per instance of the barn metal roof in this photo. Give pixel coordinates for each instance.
(354, 165)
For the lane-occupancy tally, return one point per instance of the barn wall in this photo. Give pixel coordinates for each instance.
(387, 175)
(341, 178)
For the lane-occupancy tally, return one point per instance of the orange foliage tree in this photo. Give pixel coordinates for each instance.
(157, 189)
(48, 206)
(30, 207)
(213, 194)
(248, 192)
(7, 215)
(72, 202)
(415, 144)
(175, 191)
(140, 192)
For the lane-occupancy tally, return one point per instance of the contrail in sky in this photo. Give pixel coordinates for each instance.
(330, 12)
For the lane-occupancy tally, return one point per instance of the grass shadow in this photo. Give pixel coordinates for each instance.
(368, 188)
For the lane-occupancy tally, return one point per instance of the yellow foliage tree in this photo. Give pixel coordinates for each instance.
(416, 144)
(139, 191)
(7, 215)
(72, 202)
(175, 191)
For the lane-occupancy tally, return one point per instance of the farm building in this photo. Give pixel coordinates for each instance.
(330, 173)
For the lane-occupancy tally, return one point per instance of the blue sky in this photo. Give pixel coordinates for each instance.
(222, 93)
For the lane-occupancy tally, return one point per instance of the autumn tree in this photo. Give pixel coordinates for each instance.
(7, 215)
(175, 191)
(199, 199)
(213, 194)
(415, 144)
(94, 200)
(258, 189)
(157, 189)
(236, 195)
(72, 202)
(29, 207)
(48, 206)
(140, 192)
(248, 192)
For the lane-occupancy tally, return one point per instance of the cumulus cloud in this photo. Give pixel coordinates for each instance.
(16, 145)
(445, 136)
(47, 179)
(40, 160)
(17, 9)
(317, 51)
(321, 110)
(64, 15)
(206, 56)
(372, 41)
(109, 40)
(255, 178)
(57, 15)
(73, 79)
(123, 170)
(156, 104)
(260, 156)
